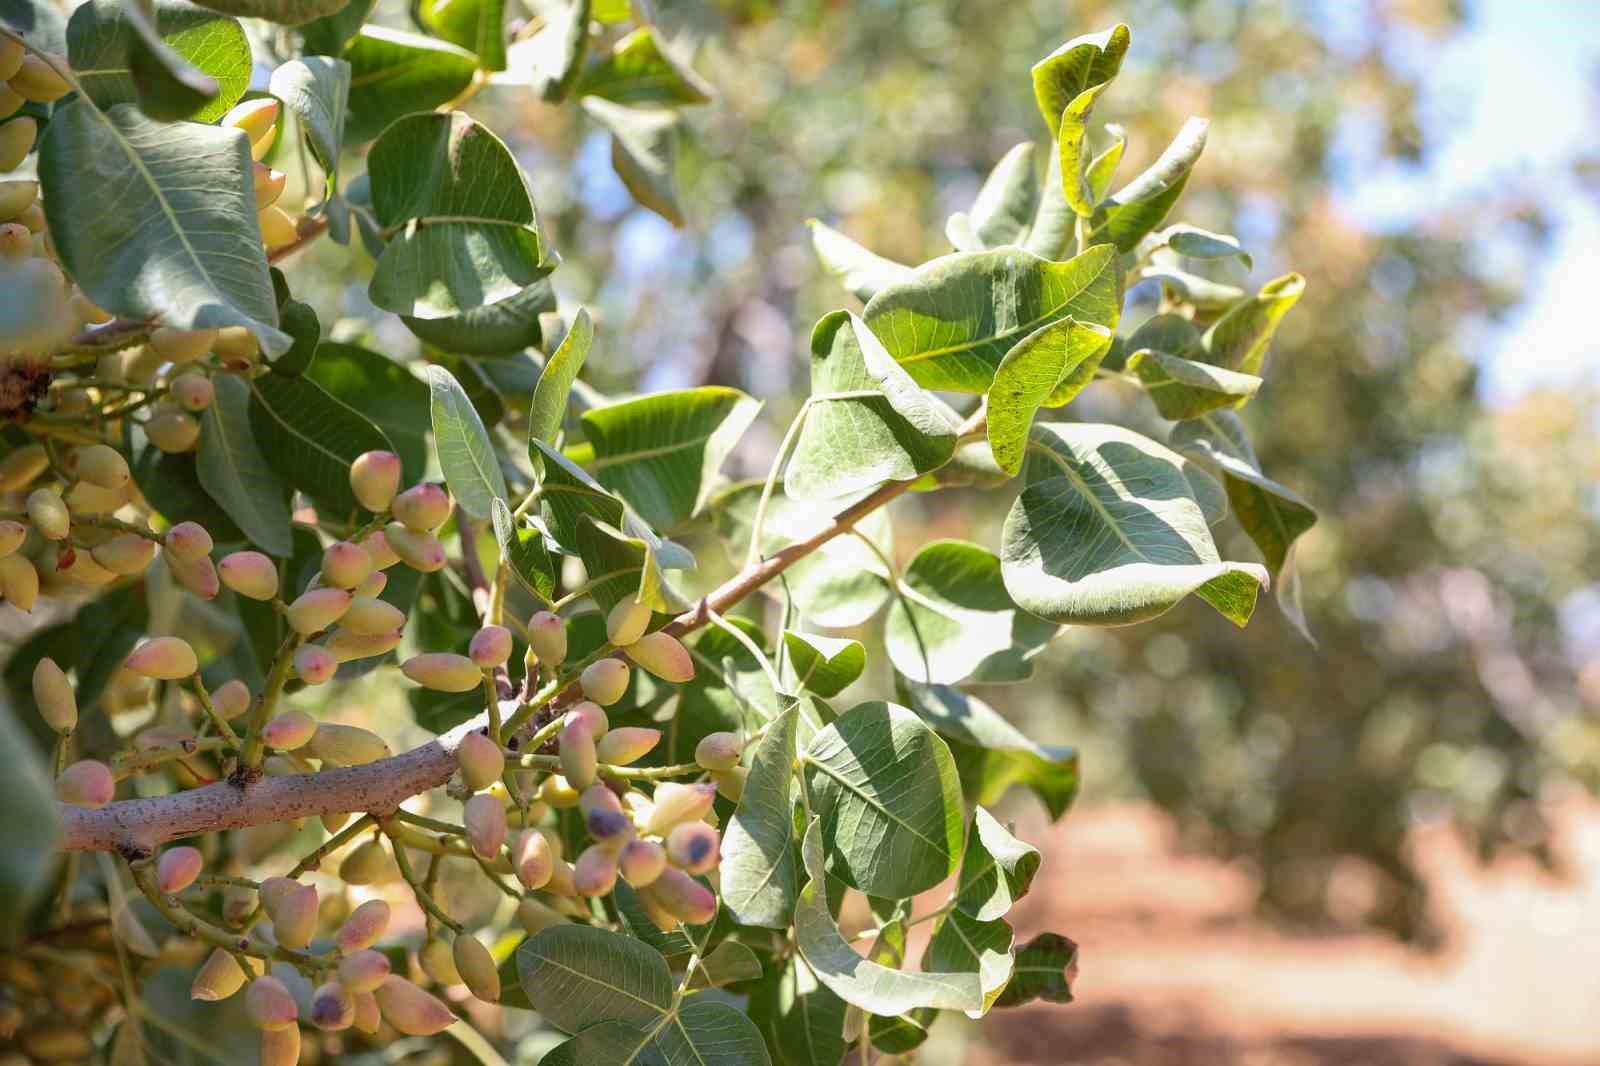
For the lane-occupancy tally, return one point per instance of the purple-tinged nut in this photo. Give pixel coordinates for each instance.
(363, 927)
(289, 731)
(626, 622)
(345, 565)
(163, 658)
(317, 609)
(718, 751)
(332, 1007)
(675, 803)
(422, 508)
(625, 744)
(364, 970)
(693, 847)
(490, 647)
(375, 478)
(411, 1010)
(683, 897)
(199, 575)
(86, 783)
(188, 540)
(485, 819)
(314, 664)
(125, 553)
(481, 761)
(368, 1016)
(250, 574)
(547, 638)
(641, 862)
(604, 817)
(177, 868)
(443, 671)
(595, 872)
(578, 762)
(592, 715)
(269, 1004)
(420, 551)
(663, 655)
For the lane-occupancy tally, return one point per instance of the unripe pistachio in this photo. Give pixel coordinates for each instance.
(345, 565)
(16, 197)
(476, 967)
(102, 465)
(236, 346)
(532, 859)
(281, 1047)
(595, 872)
(481, 761)
(411, 1010)
(627, 622)
(577, 753)
(663, 655)
(490, 646)
(675, 802)
(730, 783)
(177, 868)
(16, 141)
(422, 508)
(693, 847)
(163, 658)
(683, 897)
(443, 671)
(49, 514)
(558, 792)
(80, 567)
(347, 646)
(181, 345)
(314, 664)
(373, 586)
(641, 862)
(250, 574)
(438, 962)
(277, 227)
(231, 699)
(363, 970)
(420, 551)
(592, 715)
(21, 466)
(194, 392)
(288, 731)
(39, 81)
(536, 917)
(485, 819)
(86, 499)
(57, 701)
(718, 751)
(19, 582)
(375, 478)
(199, 576)
(332, 1007)
(547, 637)
(33, 218)
(268, 183)
(140, 365)
(11, 53)
(334, 821)
(603, 816)
(561, 879)
(368, 1016)
(219, 978)
(269, 1004)
(368, 616)
(623, 745)
(659, 916)
(86, 784)
(316, 609)
(346, 745)
(258, 118)
(15, 241)
(605, 681)
(125, 553)
(293, 911)
(172, 430)
(363, 927)
(378, 550)
(12, 534)
(367, 864)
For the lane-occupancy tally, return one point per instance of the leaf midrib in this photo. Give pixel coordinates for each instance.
(874, 803)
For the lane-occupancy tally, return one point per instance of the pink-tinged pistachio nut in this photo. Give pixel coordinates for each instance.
(675, 803)
(536, 917)
(718, 751)
(332, 1007)
(443, 671)
(547, 638)
(485, 819)
(374, 585)
(558, 792)
(379, 551)
(269, 1004)
(476, 967)
(346, 745)
(314, 664)
(345, 565)
(364, 970)
(182, 345)
(364, 926)
(641, 862)
(199, 576)
(659, 916)
(623, 745)
(490, 646)
(693, 847)
(217, 979)
(19, 582)
(730, 783)
(605, 681)
(683, 897)
(411, 1010)
(626, 622)
(164, 658)
(125, 553)
(289, 731)
(194, 392)
(177, 868)
(603, 815)
(375, 478)
(368, 1016)
(104, 466)
(481, 761)
(561, 882)
(663, 655)
(250, 574)
(367, 864)
(86, 784)
(420, 551)
(55, 696)
(172, 430)
(258, 118)
(438, 962)
(595, 872)
(347, 646)
(280, 1047)
(532, 859)
(368, 616)
(13, 533)
(48, 513)
(317, 609)
(578, 760)
(232, 699)
(422, 508)
(592, 715)
(294, 915)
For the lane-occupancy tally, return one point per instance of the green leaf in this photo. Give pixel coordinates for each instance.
(233, 471)
(705, 1031)
(887, 798)
(644, 153)
(1108, 533)
(1239, 339)
(803, 1018)
(1184, 287)
(549, 408)
(568, 494)
(1050, 365)
(479, 26)
(470, 235)
(287, 12)
(1142, 204)
(622, 567)
(1183, 388)
(640, 70)
(577, 976)
(1045, 968)
(186, 42)
(466, 454)
(171, 230)
(170, 485)
(825, 665)
(327, 35)
(554, 55)
(398, 403)
(1072, 142)
(991, 754)
(1092, 59)
(729, 963)
(1004, 210)
(861, 272)
(30, 831)
(1054, 223)
(498, 329)
(394, 74)
(954, 321)
(868, 985)
(524, 549)
(310, 439)
(963, 944)
(1196, 243)
(867, 422)
(662, 452)
(1103, 167)
(299, 321)
(996, 870)
(760, 870)
(317, 90)
(955, 620)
